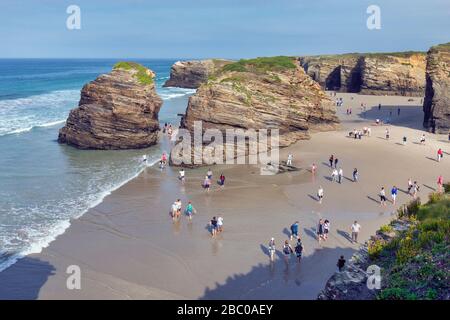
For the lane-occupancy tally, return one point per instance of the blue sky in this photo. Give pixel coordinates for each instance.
(218, 28)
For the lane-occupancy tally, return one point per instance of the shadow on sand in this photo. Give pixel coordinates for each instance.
(24, 280)
(283, 278)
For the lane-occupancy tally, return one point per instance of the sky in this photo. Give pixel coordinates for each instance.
(217, 28)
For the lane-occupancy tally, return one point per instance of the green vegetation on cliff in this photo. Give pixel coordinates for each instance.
(416, 262)
(142, 75)
(261, 65)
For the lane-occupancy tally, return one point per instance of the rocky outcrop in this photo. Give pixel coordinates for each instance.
(334, 72)
(262, 93)
(118, 110)
(191, 74)
(401, 73)
(437, 95)
(394, 74)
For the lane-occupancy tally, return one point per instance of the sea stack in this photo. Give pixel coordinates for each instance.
(262, 93)
(437, 94)
(118, 110)
(191, 74)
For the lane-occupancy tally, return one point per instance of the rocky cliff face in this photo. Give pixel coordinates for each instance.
(262, 93)
(118, 110)
(400, 73)
(437, 95)
(191, 74)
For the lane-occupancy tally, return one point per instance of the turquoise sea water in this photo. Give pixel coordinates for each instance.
(44, 184)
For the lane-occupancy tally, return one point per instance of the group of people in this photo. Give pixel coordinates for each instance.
(176, 210)
(208, 178)
(323, 229)
(216, 226)
(358, 134)
(168, 129)
(287, 249)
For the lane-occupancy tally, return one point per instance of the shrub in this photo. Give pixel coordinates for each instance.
(261, 65)
(142, 74)
(447, 187)
(435, 197)
(386, 229)
(396, 294)
(375, 248)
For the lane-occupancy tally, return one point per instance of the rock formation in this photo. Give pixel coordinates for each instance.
(437, 95)
(191, 74)
(262, 93)
(401, 73)
(118, 110)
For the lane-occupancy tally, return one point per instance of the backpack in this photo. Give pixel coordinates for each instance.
(299, 248)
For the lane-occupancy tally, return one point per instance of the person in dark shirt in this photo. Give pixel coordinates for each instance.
(341, 263)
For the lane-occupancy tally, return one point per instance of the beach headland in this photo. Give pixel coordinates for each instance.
(128, 247)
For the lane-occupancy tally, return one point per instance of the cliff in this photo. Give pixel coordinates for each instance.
(437, 95)
(118, 110)
(400, 73)
(191, 74)
(262, 93)
(412, 253)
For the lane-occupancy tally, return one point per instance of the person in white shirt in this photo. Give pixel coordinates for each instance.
(220, 224)
(320, 194)
(355, 231)
(382, 197)
(181, 175)
(340, 175)
(289, 160)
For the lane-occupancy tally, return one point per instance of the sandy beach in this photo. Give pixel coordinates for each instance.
(128, 247)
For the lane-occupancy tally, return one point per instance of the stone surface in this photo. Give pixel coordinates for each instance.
(437, 95)
(400, 73)
(286, 99)
(191, 74)
(118, 110)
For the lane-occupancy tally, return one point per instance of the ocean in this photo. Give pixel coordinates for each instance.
(43, 185)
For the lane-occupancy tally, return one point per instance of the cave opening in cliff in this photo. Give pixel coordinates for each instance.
(333, 81)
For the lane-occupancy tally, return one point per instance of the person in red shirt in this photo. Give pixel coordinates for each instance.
(439, 155)
(440, 182)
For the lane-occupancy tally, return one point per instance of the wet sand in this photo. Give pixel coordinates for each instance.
(128, 247)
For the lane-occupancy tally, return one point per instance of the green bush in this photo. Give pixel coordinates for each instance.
(396, 294)
(261, 65)
(386, 228)
(374, 248)
(142, 74)
(435, 197)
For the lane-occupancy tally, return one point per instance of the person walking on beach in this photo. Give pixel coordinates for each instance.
(144, 158)
(164, 158)
(404, 140)
(334, 175)
(410, 185)
(387, 134)
(174, 210)
(398, 111)
(341, 263)
(355, 228)
(422, 139)
(207, 183)
(181, 175)
(189, 211)
(440, 154)
(213, 226)
(287, 250)
(336, 160)
(326, 229)
(320, 231)
(313, 168)
(320, 194)
(415, 189)
(382, 197)
(331, 161)
(209, 174)
(355, 175)
(294, 230)
(440, 183)
(340, 175)
(219, 224)
(289, 159)
(299, 249)
(394, 192)
(379, 106)
(272, 249)
(369, 132)
(222, 180)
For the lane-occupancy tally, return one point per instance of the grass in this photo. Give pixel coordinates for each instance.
(141, 75)
(261, 65)
(416, 262)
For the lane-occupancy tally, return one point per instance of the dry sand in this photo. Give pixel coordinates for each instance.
(128, 247)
